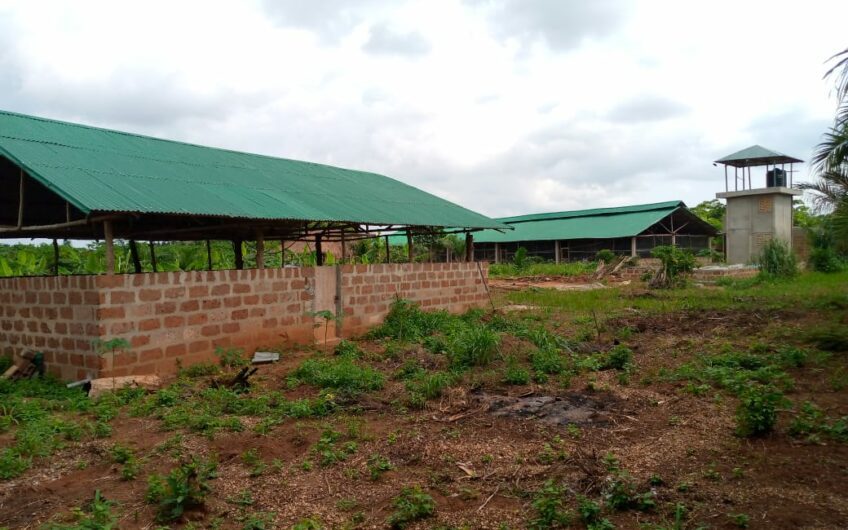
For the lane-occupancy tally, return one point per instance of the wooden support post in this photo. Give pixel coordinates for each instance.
(21, 201)
(557, 256)
(469, 247)
(55, 258)
(497, 252)
(319, 252)
(388, 251)
(237, 250)
(110, 247)
(344, 247)
(152, 255)
(134, 255)
(632, 247)
(208, 255)
(410, 251)
(260, 250)
(282, 253)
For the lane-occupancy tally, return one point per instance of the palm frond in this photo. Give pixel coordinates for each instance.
(840, 71)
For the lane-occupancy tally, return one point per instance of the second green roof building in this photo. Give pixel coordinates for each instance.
(576, 235)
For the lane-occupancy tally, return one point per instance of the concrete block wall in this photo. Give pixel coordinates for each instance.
(185, 316)
(367, 291)
(56, 315)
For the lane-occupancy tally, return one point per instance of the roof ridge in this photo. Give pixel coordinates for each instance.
(590, 212)
(160, 139)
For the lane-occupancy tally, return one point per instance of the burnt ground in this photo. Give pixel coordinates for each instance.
(484, 448)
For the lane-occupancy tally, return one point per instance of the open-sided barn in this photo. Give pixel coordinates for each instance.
(63, 180)
(576, 235)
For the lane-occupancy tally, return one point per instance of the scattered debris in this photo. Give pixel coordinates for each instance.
(242, 380)
(265, 357)
(32, 363)
(109, 384)
(553, 410)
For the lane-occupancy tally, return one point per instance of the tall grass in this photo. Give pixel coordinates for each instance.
(510, 270)
(809, 290)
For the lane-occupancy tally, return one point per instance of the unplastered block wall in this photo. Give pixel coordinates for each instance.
(56, 315)
(184, 317)
(367, 291)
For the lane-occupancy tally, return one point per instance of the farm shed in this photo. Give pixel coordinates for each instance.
(62, 180)
(580, 234)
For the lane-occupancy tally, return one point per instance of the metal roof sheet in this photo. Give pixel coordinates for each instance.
(756, 155)
(601, 223)
(102, 170)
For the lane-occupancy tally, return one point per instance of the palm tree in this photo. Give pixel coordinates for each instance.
(830, 160)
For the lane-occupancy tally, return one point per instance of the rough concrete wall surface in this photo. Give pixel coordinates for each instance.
(185, 316)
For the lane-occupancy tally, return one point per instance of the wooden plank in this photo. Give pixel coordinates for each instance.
(469, 247)
(21, 201)
(319, 252)
(134, 254)
(208, 255)
(55, 258)
(152, 255)
(239, 255)
(260, 250)
(110, 247)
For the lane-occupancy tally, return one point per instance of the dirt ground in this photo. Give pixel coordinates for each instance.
(483, 448)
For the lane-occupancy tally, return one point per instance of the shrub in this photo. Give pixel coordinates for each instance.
(377, 465)
(757, 410)
(776, 260)
(95, 515)
(675, 263)
(606, 255)
(406, 322)
(346, 348)
(231, 357)
(620, 357)
(547, 361)
(411, 505)
(185, 486)
(514, 374)
(550, 508)
(339, 373)
(825, 260)
(474, 346)
(519, 260)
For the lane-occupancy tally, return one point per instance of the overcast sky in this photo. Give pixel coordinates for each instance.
(505, 107)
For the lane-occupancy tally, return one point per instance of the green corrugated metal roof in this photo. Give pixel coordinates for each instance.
(595, 211)
(756, 155)
(100, 170)
(601, 223)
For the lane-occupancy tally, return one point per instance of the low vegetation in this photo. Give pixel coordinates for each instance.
(394, 429)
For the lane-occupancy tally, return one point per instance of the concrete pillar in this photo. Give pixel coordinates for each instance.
(497, 253)
(556, 251)
(633, 246)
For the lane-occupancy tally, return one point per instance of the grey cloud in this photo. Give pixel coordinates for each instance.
(329, 19)
(647, 108)
(792, 132)
(561, 24)
(385, 40)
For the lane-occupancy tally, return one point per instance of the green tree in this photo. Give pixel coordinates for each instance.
(711, 212)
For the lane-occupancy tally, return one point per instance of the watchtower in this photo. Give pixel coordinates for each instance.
(757, 215)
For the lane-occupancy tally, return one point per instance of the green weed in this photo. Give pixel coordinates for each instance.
(410, 506)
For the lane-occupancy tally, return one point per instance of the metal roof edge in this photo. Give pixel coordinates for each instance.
(45, 182)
